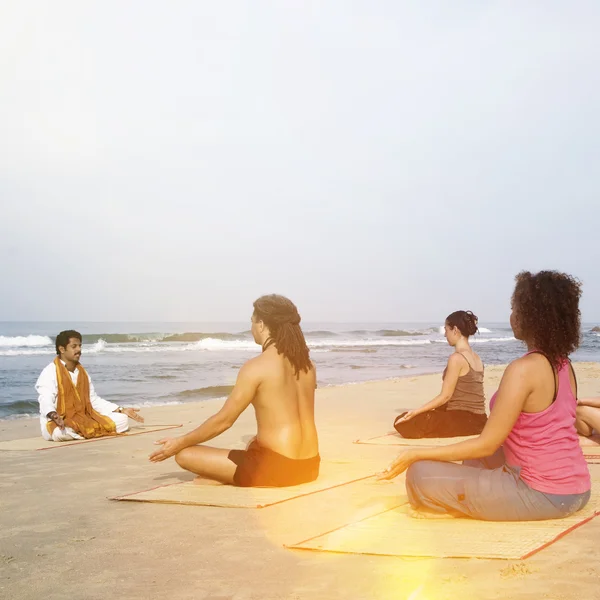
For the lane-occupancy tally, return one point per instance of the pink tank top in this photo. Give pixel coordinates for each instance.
(545, 445)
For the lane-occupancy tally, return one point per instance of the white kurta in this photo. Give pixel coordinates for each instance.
(47, 389)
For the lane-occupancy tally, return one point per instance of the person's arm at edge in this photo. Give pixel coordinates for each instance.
(46, 388)
(593, 402)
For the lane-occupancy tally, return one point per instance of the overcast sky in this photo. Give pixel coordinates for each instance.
(374, 161)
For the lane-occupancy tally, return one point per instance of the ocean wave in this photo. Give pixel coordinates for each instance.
(191, 336)
(368, 343)
(120, 338)
(212, 391)
(354, 349)
(217, 344)
(150, 403)
(28, 352)
(398, 333)
(25, 341)
(440, 330)
(478, 340)
(485, 340)
(322, 334)
(19, 409)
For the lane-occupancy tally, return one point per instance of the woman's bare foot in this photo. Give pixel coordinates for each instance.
(418, 514)
(204, 481)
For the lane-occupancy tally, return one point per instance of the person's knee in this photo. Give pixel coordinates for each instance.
(121, 422)
(182, 458)
(414, 474)
(406, 430)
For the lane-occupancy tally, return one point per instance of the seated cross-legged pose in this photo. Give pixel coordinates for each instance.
(459, 409)
(280, 384)
(527, 463)
(70, 409)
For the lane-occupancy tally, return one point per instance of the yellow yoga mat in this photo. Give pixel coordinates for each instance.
(39, 443)
(395, 533)
(394, 439)
(332, 474)
(591, 452)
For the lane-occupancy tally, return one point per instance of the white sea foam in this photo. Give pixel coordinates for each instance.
(99, 346)
(148, 403)
(27, 352)
(216, 344)
(480, 330)
(24, 341)
(485, 340)
(219, 345)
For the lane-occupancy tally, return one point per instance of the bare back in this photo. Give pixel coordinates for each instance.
(285, 407)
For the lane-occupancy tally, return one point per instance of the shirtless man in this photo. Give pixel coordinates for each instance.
(280, 384)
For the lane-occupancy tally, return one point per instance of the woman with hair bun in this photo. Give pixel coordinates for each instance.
(459, 409)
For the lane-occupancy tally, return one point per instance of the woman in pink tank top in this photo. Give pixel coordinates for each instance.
(527, 463)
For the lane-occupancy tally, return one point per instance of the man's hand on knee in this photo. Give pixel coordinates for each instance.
(54, 416)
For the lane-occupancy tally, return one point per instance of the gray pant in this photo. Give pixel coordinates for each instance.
(486, 489)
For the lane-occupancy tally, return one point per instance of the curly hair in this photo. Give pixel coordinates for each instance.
(281, 316)
(547, 312)
(465, 320)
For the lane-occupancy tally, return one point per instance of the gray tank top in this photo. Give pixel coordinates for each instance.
(468, 394)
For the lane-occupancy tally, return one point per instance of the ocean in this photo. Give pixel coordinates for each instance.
(144, 364)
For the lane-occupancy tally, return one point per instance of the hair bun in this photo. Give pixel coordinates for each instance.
(473, 322)
(465, 320)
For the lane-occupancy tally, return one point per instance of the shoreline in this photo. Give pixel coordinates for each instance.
(174, 403)
(143, 407)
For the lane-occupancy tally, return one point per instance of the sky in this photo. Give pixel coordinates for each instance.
(373, 161)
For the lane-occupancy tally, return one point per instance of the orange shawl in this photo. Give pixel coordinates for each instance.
(75, 407)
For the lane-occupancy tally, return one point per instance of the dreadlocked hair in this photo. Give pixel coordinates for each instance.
(281, 316)
(547, 312)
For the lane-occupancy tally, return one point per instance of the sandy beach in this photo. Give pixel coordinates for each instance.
(61, 537)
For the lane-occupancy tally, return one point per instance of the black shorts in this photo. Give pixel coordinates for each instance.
(440, 422)
(261, 467)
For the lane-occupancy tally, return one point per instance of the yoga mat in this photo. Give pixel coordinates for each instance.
(394, 439)
(332, 474)
(39, 443)
(395, 533)
(590, 452)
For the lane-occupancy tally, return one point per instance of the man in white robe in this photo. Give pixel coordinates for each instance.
(68, 348)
